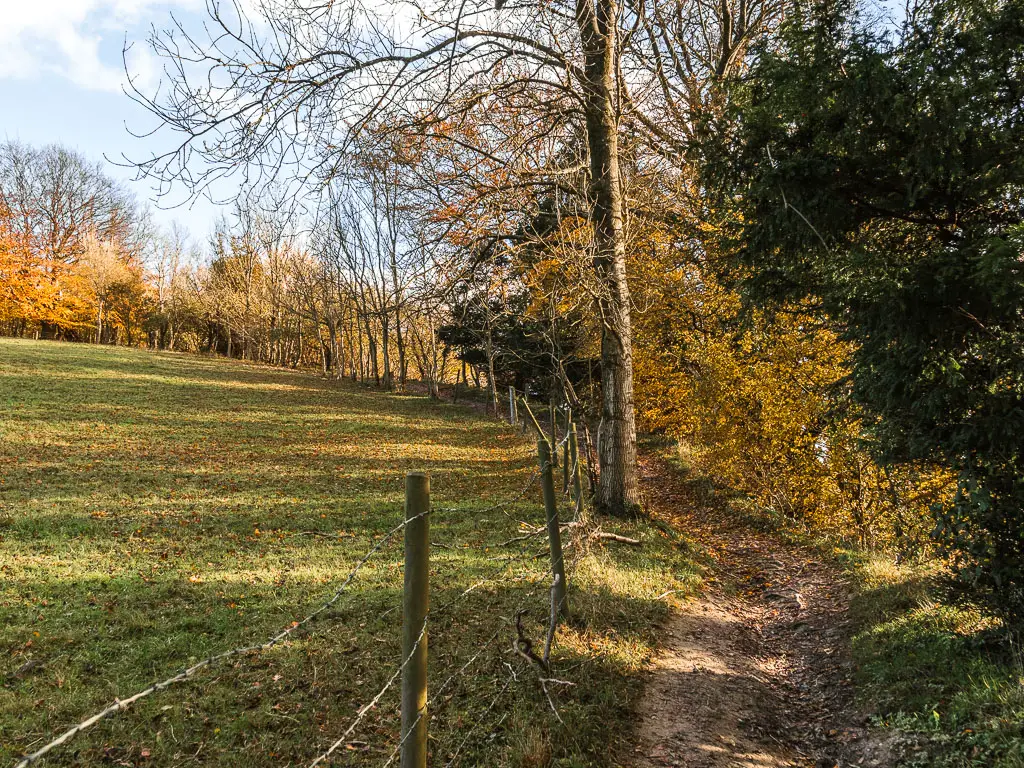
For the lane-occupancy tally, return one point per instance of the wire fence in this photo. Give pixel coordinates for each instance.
(523, 560)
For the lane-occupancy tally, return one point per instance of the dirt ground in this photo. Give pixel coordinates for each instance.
(757, 669)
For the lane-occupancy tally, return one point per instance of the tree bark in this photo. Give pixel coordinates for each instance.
(618, 489)
(385, 336)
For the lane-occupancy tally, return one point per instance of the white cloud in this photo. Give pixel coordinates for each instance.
(80, 40)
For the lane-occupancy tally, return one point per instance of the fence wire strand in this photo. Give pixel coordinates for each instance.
(523, 556)
(375, 700)
(119, 705)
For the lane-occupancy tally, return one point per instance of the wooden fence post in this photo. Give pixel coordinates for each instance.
(566, 456)
(554, 434)
(577, 471)
(415, 602)
(554, 534)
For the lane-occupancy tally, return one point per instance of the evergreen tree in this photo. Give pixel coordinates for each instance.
(879, 171)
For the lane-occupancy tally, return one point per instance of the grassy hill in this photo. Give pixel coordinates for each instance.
(159, 508)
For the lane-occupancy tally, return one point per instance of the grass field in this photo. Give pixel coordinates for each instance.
(157, 508)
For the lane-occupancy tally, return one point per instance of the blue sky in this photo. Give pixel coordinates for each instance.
(61, 75)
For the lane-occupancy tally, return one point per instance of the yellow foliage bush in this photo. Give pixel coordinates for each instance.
(759, 404)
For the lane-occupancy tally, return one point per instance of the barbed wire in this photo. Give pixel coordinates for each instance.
(440, 691)
(570, 564)
(501, 505)
(435, 612)
(120, 705)
(433, 697)
(578, 555)
(472, 730)
(376, 699)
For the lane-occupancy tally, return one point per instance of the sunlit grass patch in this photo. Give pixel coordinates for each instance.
(157, 508)
(944, 675)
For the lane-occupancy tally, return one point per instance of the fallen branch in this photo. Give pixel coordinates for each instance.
(615, 537)
(524, 647)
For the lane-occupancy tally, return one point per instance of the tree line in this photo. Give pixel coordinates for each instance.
(81, 260)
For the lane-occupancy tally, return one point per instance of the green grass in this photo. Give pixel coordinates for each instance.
(156, 508)
(943, 676)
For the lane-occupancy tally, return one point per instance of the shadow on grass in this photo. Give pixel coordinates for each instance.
(946, 678)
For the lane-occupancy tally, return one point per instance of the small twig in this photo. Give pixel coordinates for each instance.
(537, 532)
(524, 646)
(551, 702)
(670, 592)
(524, 537)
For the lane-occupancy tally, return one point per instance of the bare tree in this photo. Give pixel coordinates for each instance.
(289, 94)
(103, 270)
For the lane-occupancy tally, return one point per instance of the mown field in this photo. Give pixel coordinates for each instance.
(158, 508)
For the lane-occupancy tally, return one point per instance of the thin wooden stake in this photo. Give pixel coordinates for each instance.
(554, 534)
(577, 470)
(566, 468)
(554, 434)
(533, 419)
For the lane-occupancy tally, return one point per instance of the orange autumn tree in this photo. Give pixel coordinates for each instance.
(30, 288)
(13, 275)
(55, 206)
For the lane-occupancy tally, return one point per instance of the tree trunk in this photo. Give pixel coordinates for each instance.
(339, 352)
(332, 335)
(399, 338)
(371, 348)
(362, 360)
(325, 352)
(435, 388)
(618, 490)
(385, 335)
(403, 365)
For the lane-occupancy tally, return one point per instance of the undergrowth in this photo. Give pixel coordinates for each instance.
(946, 680)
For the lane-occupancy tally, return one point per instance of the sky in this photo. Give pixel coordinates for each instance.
(61, 80)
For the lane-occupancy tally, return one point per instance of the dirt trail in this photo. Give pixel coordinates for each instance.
(757, 669)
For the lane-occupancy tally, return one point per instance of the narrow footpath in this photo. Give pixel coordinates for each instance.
(757, 670)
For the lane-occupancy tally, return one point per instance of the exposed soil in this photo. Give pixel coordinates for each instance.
(757, 669)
